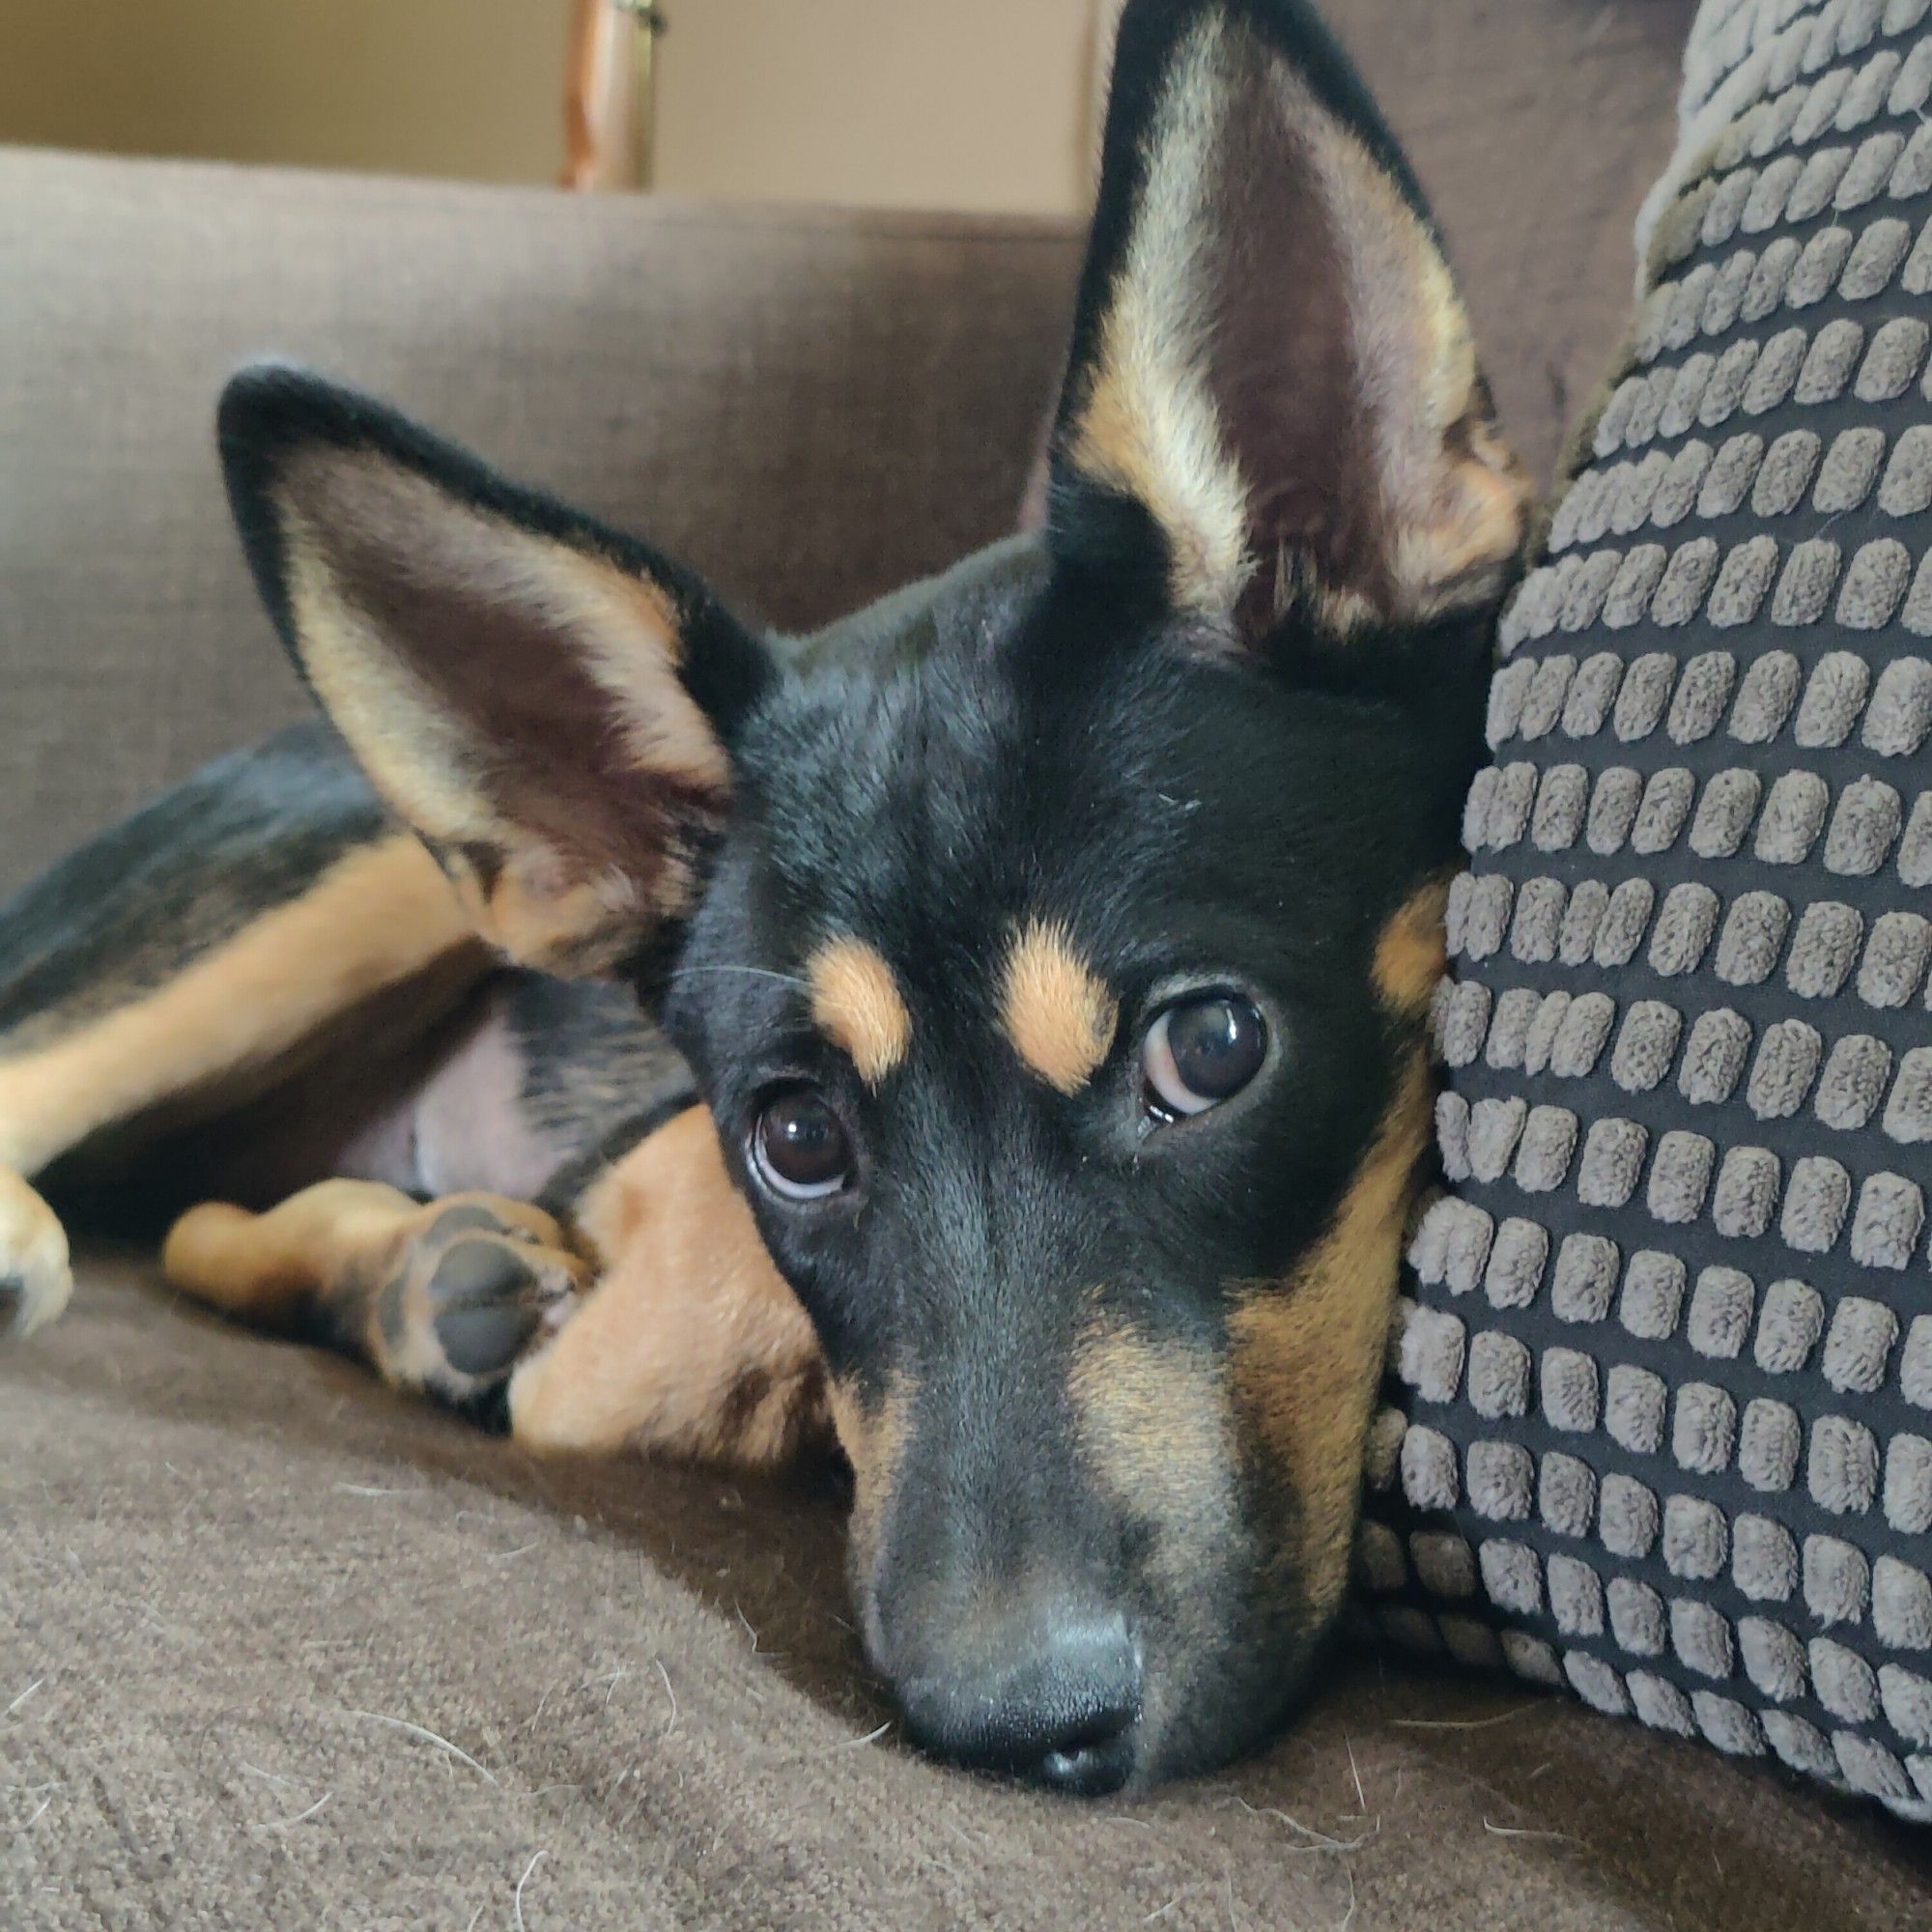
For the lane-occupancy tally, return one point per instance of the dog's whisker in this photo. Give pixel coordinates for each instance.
(300, 1817)
(745, 972)
(534, 1862)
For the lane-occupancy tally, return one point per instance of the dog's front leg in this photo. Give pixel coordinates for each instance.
(443, 1298)
(656, 1324)
(35, 1281)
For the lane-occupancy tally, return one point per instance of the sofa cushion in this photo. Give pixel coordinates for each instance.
(1667, 1365)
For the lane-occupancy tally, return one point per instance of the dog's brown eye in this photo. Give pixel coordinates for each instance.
(799, 1146)
(1202, 1052)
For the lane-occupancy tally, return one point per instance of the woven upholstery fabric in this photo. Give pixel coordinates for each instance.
(1668, 1363)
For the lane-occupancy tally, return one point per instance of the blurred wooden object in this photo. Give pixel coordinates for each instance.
(606, 93)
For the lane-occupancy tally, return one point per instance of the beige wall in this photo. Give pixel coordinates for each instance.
(449, 87)
(965, 103)
(938, 103)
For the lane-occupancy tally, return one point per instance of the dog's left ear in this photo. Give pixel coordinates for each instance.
(549, 704)
(1272, 397)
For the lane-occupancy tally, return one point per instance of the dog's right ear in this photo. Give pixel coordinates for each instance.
(1272, 401)
(545, 701)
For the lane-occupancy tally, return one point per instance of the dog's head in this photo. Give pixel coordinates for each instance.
(1053, 940)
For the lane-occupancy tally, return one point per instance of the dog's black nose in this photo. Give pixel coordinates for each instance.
(1056, 1708)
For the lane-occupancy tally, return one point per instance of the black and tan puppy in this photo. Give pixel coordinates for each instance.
(1034, 966)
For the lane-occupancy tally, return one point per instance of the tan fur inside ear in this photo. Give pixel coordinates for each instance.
(416, 753)
(1444, 503)
(1455, 498)
(532, 908)
(613, 647)
(1148, 425)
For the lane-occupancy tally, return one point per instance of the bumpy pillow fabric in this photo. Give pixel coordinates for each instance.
(1664, 1377)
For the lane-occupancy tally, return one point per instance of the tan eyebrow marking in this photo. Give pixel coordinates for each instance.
(1054, 1009)
(856, 1005)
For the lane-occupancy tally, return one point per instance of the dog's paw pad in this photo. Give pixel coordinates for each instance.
(472, 1289)
(465, 1217)
(486, 1301)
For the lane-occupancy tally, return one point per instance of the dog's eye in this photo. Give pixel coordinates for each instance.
(1202, 1052)
(800, 1149)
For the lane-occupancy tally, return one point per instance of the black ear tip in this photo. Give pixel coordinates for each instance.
(269, 404)
(268, 408)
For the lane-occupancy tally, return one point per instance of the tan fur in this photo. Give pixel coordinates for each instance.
(626, 631)
(1054, 1009)
(690, 1344)
(1152, 1422)
(856, 1005)
(1306, 1352)
(1456, 500)
(33, 1256)
(1149, 426)
(416, 753)
(536, 911)
(1412, 952)
(873, 1434)
(267, 1269)
(1480, 522)
(379, 915)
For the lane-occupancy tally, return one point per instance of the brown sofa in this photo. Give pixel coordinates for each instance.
(278, 1649)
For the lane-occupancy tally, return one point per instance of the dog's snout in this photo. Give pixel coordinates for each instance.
(1050, 1699)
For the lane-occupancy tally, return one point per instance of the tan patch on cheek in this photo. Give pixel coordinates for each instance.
(873, 1436)
(856, 1005)
(1307, 1351)
(1054, 1009)
(1153, 1425)
(1412, 954)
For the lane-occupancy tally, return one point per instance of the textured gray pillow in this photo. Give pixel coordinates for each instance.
(1664, 1377)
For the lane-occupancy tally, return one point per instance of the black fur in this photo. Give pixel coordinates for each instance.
(1193, 822)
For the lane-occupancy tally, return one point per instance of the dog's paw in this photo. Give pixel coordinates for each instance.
(35, 1279)
(471, 1291)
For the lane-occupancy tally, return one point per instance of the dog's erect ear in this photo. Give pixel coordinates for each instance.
(1273, 395)
(550, 705)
